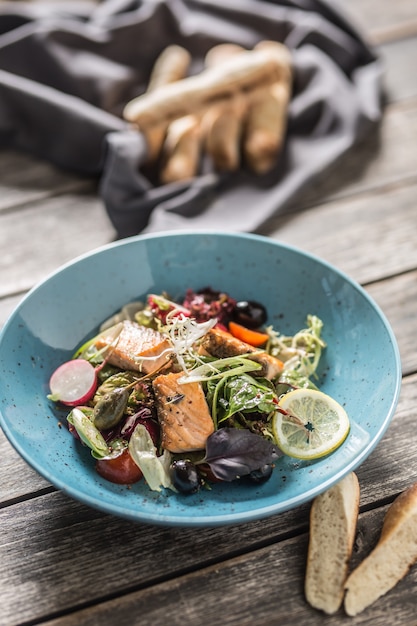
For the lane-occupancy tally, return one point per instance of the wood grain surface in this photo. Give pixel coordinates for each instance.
(64, 564)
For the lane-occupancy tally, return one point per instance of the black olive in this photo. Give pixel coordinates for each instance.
(261, 475)
(250, 314)
(184, 476)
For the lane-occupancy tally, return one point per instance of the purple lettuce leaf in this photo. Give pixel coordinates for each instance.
(233, 452)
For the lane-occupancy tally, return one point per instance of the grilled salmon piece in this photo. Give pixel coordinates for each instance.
(182, 412)
(133, 343)
(221, 344)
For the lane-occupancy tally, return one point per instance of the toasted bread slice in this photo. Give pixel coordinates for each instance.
(333, 519)
(392, 557)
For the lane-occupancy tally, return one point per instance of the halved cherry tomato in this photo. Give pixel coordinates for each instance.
(121, 470)
(253, 337)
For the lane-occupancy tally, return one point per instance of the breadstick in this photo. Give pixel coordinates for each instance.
(243, 73)
(222, 128)
(220, 53)
(267, 118)
(222, 124)
(179, 142)
(181, 150)
(171, 65)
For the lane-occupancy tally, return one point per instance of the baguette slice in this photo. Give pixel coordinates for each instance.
(333, 519)
(392, 557)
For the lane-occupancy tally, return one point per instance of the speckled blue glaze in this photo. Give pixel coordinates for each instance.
(361, 367)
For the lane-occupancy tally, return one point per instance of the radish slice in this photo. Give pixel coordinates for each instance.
(73, 383)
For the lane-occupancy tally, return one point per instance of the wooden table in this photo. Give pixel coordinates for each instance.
(63, 563)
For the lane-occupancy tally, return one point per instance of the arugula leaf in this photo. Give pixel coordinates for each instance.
(233, 452)
(220, 368)
(243, 394)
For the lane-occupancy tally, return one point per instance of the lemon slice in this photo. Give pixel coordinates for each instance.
(315, 424)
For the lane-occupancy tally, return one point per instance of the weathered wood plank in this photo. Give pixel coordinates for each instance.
(17, 478)
(246, 590)
(383, 21)
(75, 224)
(386, 157)
(52, 232)
(263, 587)
(398, 299)
(115, 554)
(25, 179)
(400, 60)
(146, 555)
(48, 541)
(369, 237)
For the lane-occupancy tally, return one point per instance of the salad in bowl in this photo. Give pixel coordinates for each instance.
(188, 393)
(294, 369)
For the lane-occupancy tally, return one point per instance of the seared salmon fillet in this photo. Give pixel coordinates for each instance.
(182, 413)
(222, 344)
(135, 342)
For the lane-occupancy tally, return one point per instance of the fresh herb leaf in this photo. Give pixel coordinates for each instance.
(116, 381)
(301, 352)
(155, 468)
(88, 350)
(231, 453)
(88, 433)
(244, 394)
(220, 368)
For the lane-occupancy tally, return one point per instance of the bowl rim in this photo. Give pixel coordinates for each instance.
(228, 518)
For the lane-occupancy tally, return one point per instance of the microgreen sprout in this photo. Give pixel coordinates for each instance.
(300, 352)
(183, 333)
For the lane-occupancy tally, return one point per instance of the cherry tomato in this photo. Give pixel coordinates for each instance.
(121, 470)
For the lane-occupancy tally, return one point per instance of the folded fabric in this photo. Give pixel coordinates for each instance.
(68, 69)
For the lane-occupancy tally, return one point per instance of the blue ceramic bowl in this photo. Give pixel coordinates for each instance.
(360, 367)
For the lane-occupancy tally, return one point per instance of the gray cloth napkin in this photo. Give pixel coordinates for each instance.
(67, 69)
